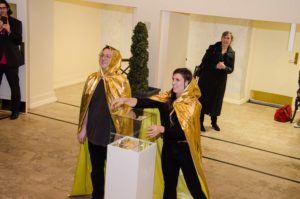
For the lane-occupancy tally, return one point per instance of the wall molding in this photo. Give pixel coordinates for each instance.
(42, 99)
(236, 101)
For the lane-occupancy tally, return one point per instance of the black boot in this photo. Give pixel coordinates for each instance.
(216, 127)
(14, 115)
(214, 123)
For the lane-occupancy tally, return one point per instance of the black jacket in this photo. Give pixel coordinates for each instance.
(9, 43)
(212, 81)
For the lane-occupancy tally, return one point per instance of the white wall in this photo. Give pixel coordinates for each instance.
(176, 48)
(269, 10)
(117, 27)
(77, 34)
(81, 30)
(40, 58)
(149, 13)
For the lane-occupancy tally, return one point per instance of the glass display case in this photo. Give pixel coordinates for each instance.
(133, 122)
(130, 161)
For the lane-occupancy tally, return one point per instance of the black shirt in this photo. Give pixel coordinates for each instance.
(173, 130)
(99, 119)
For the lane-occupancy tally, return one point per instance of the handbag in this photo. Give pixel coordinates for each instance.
(283, 114)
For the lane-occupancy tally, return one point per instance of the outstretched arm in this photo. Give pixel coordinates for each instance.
(120, 101)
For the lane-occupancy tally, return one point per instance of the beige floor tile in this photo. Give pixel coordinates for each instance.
(38, 157)
(59, 111)
(70, 94)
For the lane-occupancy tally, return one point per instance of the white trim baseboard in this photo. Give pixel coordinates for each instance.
(236, 101)
(43, 99)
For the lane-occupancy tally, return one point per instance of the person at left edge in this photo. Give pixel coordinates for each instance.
(10, 54)
(95, 114)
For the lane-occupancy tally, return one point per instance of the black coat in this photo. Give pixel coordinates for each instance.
(212, 81)
(9, 43)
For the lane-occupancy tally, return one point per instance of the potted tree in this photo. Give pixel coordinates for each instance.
(138, 63)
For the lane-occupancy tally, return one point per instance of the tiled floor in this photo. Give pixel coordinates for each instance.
(253, 157)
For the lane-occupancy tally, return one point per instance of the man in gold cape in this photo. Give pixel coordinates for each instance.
(116, 85)
(187, 108)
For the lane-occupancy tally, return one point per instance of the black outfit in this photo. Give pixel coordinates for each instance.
(9, 47)
(212, 81)
(98, 157)
(175, 152)
(98, 133)
(297, 102)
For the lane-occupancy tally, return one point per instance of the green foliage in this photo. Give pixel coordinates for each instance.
(138, 63)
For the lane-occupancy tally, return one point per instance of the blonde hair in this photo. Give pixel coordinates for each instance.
(224, 34)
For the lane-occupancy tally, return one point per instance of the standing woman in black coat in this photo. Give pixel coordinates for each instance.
(217, 62)
(10, 54)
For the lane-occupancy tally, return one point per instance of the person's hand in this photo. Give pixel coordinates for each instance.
(220, 65)
(154, 130)
(120, 101)
(116, 103)
(117, 136)
(81, 136)
(5, 26)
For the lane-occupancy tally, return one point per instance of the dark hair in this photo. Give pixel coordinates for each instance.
(185, 72)
(224, 34)
(106, 47)
(187, 76)
(9, 12)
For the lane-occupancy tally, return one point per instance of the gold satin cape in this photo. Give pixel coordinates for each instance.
(116, 85)
(187, 108)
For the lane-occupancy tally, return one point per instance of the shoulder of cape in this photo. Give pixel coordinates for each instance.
(92, 76)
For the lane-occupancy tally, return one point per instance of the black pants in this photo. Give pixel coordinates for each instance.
(213, 118)
(98, 157)
(12, 76)
(176, 156)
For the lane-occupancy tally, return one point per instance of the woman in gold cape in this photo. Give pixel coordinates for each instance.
(187, 109)
(115, 85)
